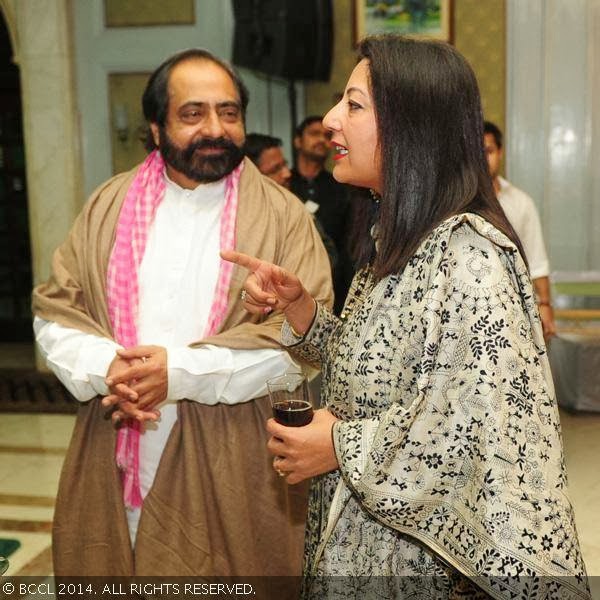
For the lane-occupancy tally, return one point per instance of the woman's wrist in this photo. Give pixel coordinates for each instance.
(300, 314)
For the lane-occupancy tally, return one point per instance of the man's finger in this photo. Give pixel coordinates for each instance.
(127, 375)
(137, 352)
(124, 391)
(147, 400)
(131, 411)
(243, 260)
(111, 400)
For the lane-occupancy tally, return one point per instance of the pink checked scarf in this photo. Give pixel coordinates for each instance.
(137, 213)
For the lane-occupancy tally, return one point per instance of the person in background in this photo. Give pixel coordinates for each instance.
(523, 216)
(142, 320)
(436, 459)
(265, 152)
(325, 197)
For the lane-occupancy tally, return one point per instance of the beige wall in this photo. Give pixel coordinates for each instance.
(479, 33)
(125, 91)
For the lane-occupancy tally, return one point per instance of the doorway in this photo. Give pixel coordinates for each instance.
(15, 248)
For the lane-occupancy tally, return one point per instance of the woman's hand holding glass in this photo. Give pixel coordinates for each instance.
(303, 452)
(269, 287)
(300, 452)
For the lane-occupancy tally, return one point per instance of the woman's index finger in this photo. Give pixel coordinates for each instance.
(243, 260)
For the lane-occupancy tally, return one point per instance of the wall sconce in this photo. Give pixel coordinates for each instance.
(121, 122)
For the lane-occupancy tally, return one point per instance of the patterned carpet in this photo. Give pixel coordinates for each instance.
(29, 391)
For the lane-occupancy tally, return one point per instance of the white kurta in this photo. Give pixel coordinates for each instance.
(177, 280)
(523, 216)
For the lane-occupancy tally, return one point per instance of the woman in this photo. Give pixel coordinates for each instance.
(438, 449)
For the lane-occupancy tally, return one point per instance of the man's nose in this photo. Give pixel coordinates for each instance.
(212, 126)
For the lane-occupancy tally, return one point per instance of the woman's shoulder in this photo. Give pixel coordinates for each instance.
(474, 226)
(474, 249)
(460, 241)
(461, 230)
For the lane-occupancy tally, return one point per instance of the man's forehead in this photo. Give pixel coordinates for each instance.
(315, 127)
(489, 140)
(272, 154)
(202, 80)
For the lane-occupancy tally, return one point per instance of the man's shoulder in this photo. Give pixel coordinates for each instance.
(509, 190)
(256, 187)
(113, 187)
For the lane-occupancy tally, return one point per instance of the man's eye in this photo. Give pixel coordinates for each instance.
(231, 113)
(190, 115)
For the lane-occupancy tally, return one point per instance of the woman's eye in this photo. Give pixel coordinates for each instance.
(353, 105)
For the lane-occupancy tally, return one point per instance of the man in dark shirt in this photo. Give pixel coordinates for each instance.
(265, 152)
(323, 196)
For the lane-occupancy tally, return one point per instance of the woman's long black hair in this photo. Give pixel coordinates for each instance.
(430, 128)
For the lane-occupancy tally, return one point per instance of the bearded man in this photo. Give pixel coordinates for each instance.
(141, 319)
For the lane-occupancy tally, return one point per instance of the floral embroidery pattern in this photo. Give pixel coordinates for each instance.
(449, 443)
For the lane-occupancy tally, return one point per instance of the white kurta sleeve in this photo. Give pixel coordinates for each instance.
(213, 374)
(533, 241)
(208, 374)
(79, 360)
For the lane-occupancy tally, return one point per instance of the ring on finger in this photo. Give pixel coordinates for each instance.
(243, 295)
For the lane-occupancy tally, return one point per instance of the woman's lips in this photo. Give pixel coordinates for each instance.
(339, 151)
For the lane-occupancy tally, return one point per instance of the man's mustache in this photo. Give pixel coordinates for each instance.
(212, 144)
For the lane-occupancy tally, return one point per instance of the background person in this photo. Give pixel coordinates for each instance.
(265, 152)
(437, 457)
(141, 316)
(325, 197)
(523, 216)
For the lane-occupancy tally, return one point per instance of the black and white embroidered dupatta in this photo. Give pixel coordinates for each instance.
(451, 460)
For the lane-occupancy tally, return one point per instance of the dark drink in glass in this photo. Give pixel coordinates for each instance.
(293, 413)
(290, 400)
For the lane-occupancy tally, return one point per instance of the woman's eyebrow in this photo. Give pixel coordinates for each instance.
(355, 89)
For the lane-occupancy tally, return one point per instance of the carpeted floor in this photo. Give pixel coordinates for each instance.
(29, 391)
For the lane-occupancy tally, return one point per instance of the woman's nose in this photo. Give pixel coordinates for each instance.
(330, 120)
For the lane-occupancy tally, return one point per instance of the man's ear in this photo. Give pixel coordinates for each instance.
(155, 133)
(297, 142)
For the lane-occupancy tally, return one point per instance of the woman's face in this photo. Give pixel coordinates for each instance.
(354, 133)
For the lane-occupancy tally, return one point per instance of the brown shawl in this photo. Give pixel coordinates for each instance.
(216, 506)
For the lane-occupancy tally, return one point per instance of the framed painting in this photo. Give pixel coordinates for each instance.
(420, 18)
(148, 13)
